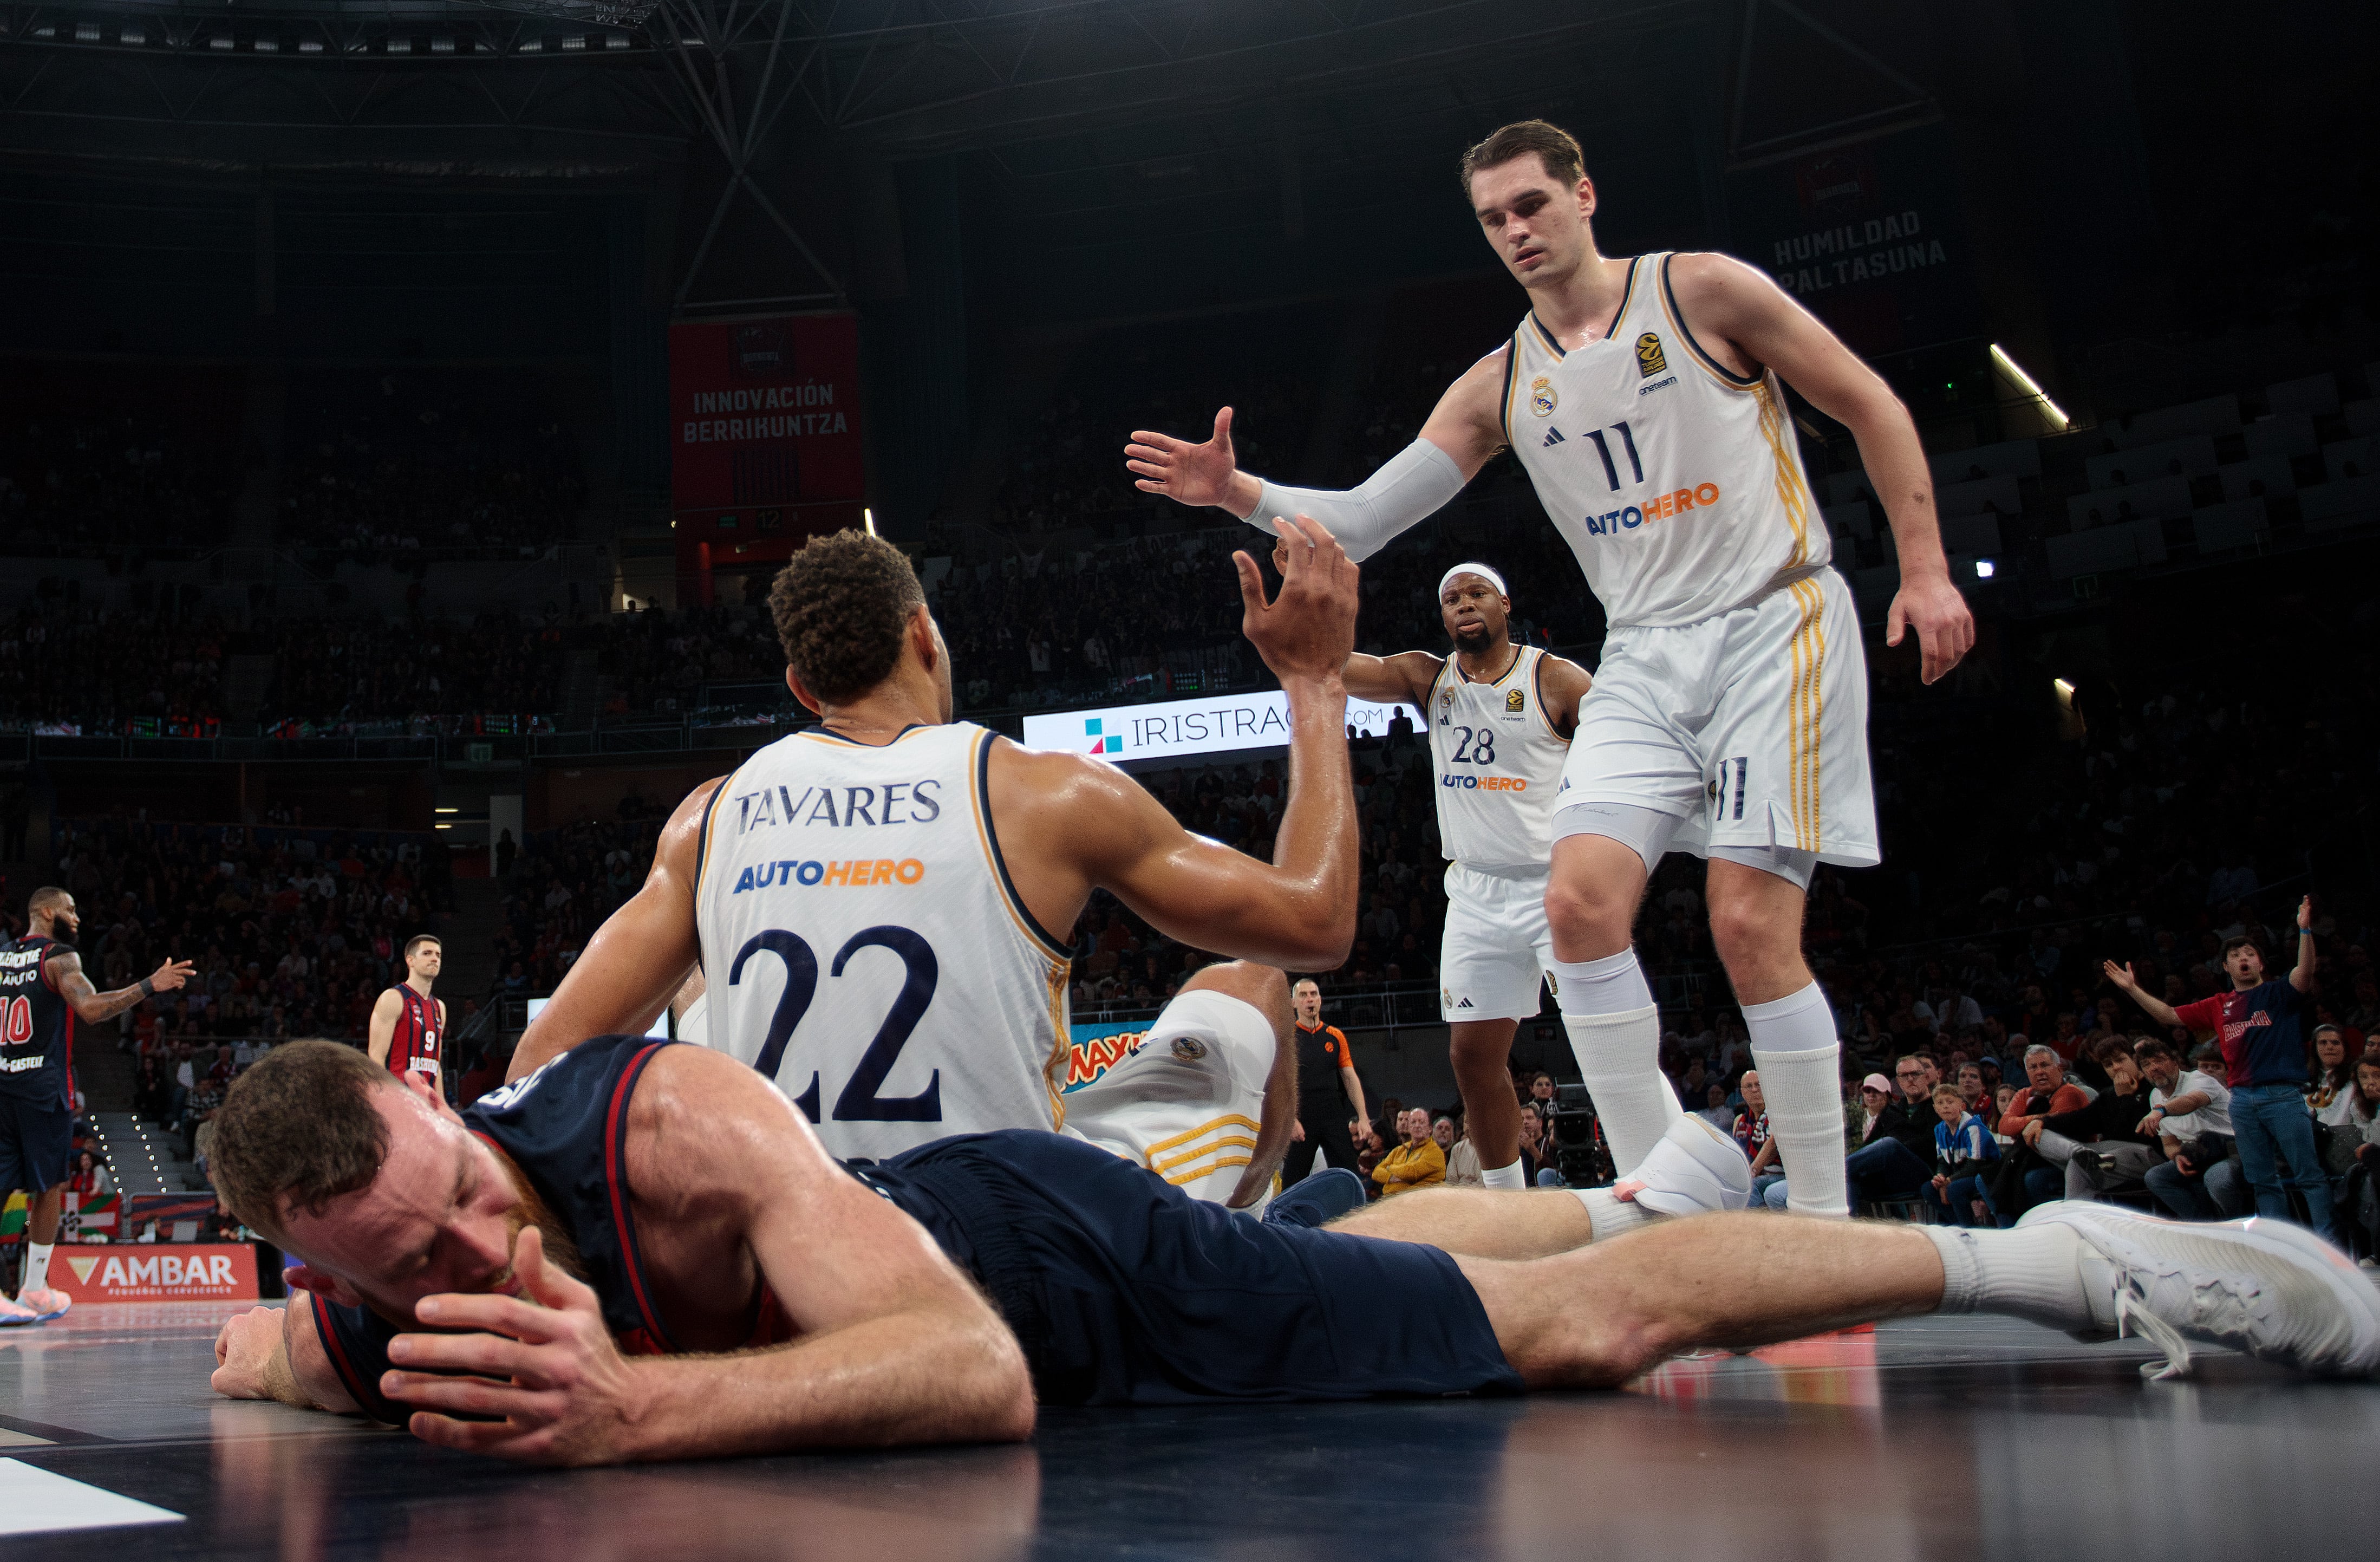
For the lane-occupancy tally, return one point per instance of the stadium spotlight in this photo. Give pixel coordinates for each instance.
(267, 45)
(1983, 569)
(86, 32)
(309, 45)
(2065, 689)
(868, 518)
(2032, 386)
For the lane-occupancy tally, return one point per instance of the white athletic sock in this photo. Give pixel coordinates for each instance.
(37, 1267)
(1504, 1176)
(1612, 1216)
(1793, 1046)
(1615, 1034)
(2033, 1273)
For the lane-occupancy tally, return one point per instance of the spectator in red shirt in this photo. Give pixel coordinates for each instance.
(2261, 1026)
(2026, 1177)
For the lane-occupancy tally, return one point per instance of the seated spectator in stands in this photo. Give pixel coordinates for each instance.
(1463, 1164)
(2190, 1111)
(2333, 1074)
(1417, 1163)
(1541, 1092)
(1896, 1154)
(1972, 1089)
(2025, 1177)
(1962, 1146)
(1751, 1130)
(1534, 1140)
(2108, 1145)
(90, 1178)
(1443, 1132)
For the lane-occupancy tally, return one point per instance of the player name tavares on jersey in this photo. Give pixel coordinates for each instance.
(1659, 507)
(899, 802)
(859, 874)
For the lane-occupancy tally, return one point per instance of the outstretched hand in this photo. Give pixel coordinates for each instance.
(170, 975)
(2121, 975)
(1309, 630)
(543, 1363)
(1193, 474)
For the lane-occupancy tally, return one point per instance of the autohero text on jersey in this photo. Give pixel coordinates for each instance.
(1659, 507)
(897, 802)
(855, 874)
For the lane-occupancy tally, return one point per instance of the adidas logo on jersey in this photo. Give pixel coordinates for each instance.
(1465, 1004)
(1553, 437)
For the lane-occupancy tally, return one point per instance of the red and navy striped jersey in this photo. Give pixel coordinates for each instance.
(416, 1047)
(36, 1024)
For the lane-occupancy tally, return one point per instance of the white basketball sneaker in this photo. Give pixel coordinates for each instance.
(1692, 1169)
(2267, 1287)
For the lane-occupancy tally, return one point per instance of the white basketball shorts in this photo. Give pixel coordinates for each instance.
(1187, 1102)
(1496, 951)
(1749, 728)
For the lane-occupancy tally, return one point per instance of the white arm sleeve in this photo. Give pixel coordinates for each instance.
(1413, 485)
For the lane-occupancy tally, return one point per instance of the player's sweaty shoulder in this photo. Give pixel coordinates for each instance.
(700, 1122)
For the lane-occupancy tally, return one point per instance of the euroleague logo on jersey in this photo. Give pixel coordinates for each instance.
(1703, 496)
(857, 875)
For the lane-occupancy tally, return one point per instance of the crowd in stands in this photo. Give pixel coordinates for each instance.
(561, 887)
(95, 462)
(71, 670)
(412, 462)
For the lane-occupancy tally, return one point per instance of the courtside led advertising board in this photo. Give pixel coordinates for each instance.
(1182, 728)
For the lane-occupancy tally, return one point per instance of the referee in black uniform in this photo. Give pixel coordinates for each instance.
(1327, 1090)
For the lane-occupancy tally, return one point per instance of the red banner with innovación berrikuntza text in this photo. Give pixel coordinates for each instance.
(765, 412)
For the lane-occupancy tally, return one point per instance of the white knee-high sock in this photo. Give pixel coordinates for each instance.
(2035, 1272)
(1615, 1033)
(1793, 1046)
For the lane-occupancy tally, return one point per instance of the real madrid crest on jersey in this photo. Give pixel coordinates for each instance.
(1542, 399)
(1513, 700)
(1649, 360)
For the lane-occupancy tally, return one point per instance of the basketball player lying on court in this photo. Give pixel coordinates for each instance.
(641, 1252)
(871, 900)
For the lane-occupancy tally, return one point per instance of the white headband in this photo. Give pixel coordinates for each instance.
(1480, 569)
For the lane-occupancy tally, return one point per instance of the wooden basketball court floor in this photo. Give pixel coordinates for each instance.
(1932, 1438)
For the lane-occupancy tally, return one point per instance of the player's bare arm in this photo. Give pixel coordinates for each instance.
(637, 962)
(896, 1344)
(1564, 684)
(1746, 321)
(1073, 824)
(276, 1353)
(1277, 1126)
(92, 1006)
(1462, 432)
(379, 1034)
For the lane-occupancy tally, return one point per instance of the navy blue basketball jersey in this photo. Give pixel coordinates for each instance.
(36, 1025)
(566, 1128)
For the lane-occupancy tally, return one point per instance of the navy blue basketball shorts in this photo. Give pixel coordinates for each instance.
(1124, 1290)
(36, 1144)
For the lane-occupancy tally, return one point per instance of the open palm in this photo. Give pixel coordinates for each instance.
(1194, 474)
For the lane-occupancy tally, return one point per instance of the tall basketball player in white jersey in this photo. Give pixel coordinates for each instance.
(1500, 717)
(878, 903)
(1646, 399)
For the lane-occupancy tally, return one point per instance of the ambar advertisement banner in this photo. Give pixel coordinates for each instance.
(765, 412)
(156, 1271)
(1185, 729)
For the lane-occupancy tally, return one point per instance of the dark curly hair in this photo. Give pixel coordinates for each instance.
(840, 608)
